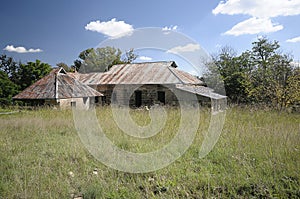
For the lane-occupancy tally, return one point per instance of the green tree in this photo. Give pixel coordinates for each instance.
(82, 56)
(291, 93)
(10, 67)
(272, 71)
(130, 56)
(15, 77)
(64, 66)
(31, 72)
(230, 72)
(262, 75)
(8, 78)
(102, 59)
(7, 89)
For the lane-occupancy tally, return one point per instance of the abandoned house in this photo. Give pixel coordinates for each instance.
(135, 84)
(59, 89)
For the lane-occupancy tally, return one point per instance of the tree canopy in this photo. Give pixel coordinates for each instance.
(14, 77)
(262, 75)
(102, 59)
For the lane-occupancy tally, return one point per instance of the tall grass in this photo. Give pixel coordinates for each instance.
(257, 156)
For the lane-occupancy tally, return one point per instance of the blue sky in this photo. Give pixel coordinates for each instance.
(57, 31)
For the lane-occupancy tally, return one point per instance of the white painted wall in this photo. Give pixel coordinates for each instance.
(81, 103)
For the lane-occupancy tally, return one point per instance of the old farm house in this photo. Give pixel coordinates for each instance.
(136, 85)
(59, 89)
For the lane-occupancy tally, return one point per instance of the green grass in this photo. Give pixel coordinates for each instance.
(257, 156)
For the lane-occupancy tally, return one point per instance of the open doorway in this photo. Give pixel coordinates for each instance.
(161, 97)
(138, 98)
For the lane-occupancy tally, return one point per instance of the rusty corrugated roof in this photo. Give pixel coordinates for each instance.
(140, 73)
(57, 85)
(200, 90)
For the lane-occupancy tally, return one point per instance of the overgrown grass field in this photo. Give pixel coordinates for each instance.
(257, 156)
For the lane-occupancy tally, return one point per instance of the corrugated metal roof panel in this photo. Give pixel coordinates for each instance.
(201, 90)
(69, 87)
(141, 73)
(57, 85)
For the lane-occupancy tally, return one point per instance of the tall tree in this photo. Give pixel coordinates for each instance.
(271, 73)
(102, 59)
(7, 89)
(229, 71)
(130, 56)
(261, 75)
(292, 92)
(31, 72)
(9, 66)
(82, 56)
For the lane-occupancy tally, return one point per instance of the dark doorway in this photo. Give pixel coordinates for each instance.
(161, 97)
(96, 99)
(138, 98)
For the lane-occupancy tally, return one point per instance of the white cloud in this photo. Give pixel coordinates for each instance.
(294, 40)
(295, 64)
(254, 26)
(259, 8)
(260, 11)
(187, 48)
(144, 58)
(112, 28)
(21, 49)
(166, 28)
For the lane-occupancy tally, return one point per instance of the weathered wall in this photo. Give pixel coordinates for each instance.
(82, 103)
(124, 94)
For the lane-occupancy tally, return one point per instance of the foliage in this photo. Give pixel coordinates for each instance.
(292, 92)
(31, 72)
(130, 56)
(102, 59)
(8, 78)
(9, 67)
(7, 89)
(82, 56)
(64, 66)
(17, 76)
(270, 74)
(262, 75)
(231, 73)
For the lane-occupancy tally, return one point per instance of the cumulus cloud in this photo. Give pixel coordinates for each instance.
(295, 64)
(166, 28)
(21, 49)
(259, 10)
(144, 58)
(187, 48)
(112, 28)
(294, 40)
(254, 26)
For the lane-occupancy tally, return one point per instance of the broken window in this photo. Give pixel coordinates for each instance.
(73, 104)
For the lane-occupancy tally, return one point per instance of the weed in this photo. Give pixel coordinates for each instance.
(257, 156)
